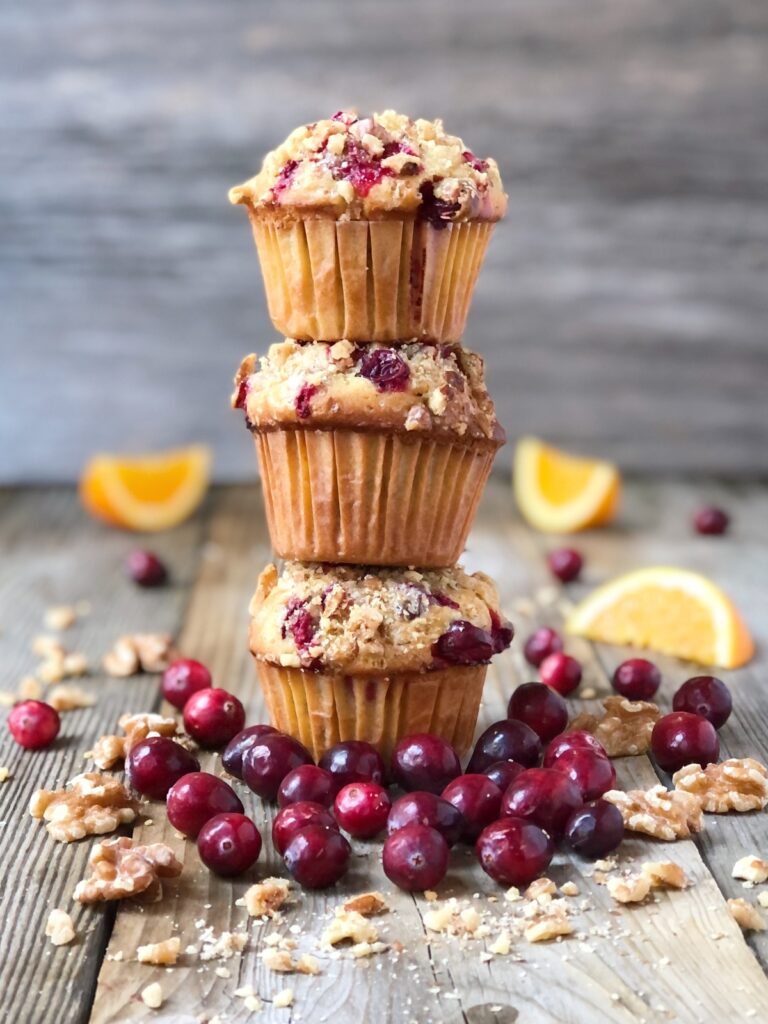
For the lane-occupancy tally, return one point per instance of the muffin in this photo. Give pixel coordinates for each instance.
(372, 229)
(347, 652)
(370, 454)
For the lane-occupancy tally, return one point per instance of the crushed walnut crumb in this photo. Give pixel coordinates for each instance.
(540, 887)
(119, 869)
(746, 916)
(164, 953)
(60, 617)
(264, 899)
(367, 903)
(548, 926)
(152, 996)
(569, 889)
(59, 928)
(223, 946)
(624, 728)
(751, 868)
(658, 812)
(5, 774)
(281, 961)
(109, 750)
(664, 874)
(66, 697)
(91, 804)
(139, 652)
(348, 925)
(738, 784)
(632, 889)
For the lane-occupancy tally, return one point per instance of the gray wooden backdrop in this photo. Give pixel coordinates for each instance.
(624, 304)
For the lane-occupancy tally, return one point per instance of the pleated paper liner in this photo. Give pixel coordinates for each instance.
(370, 498)
(387, 280)
(321, 709)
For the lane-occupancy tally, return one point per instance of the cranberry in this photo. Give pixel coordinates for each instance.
(479, 801)
(353, 761)
(145, 568)
(706, 696)
(565, 564)
(196, 798)
(284, 178)
(561, 672)
(502, 631)
(232, 758)
(307, 782)
(301, 625)
(303, 400)
(267, 762)
(182, 678)
(464, 644)
(540, 644)
(385, 369)
(295, 816)
(229, 844)
(317, 856)
(362, 809)
(481, 166)
(242, 394)
(592, 773)
(155, 763)
(508, 740)
(424, 761)
(503, 772)
(437, 212)
(540, 707)
(636, 679)
(422, 808)
(595, 830)
(514, 851)
(34, 724)
(213, 717)
(415, 858)
(578, 739)
(544, 796)
(711, 520)
(682, 738)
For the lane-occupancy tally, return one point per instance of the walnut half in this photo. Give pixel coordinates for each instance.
(625, 727)
(92, 804)
(121, 870)
(658, 812)
(738, 784)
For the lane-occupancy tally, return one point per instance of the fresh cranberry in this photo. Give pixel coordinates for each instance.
(317, 856)
(636, 679)
(295, 816)
(711, 520)
(145, 568)
(415, 858)
(229, 844)
(362, 809)
(561, 672)
(155, 763)
(424, 761)
(544, 796)
(267, 762)
(540, 707)
(423, 808)
(514, 851)
(682, 738)
(540, 644)
(595, 829)
(182, 678)
(576, 740)
(353, 761)
(385, 369)
(464, 644)
(196, 798)
(592, 773)
(508, 740)
(34, 724)
(502, 631)
(303, 400)
(477, 799)
(503, 772)
(232, 758)
(706, 696)
(307, 782)
(565, 564)
(213, 717)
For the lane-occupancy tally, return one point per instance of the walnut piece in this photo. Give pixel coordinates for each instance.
(109, 750)
(658, 812)
(746, 916)
(624, 728)
(152, 996)
(569, 889)
(70, 698)
(664, 874)
(264, 899)
(280, 960)
(59, 928)
(121, 870)
(90, 805)
(453, 919)
(283, 998)
(367, 903)
(60, 617)
(751, 868)
(540, 887)
(350, 926)
(633, 889)
(548, 926)
(164, 953)
(5, 774)
(738, 784)
(139, 652)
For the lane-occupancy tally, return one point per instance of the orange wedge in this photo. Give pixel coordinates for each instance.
(146, 492)
(672, 611)
(560, 493)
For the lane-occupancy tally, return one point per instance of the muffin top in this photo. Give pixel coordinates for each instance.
(416, 387)
(361, 168)
(353, 619)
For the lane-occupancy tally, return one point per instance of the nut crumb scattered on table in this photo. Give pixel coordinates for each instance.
(152, 996)
(164, 953)
(746, 916)
(59, 928)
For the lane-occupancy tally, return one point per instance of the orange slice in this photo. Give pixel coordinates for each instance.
(672, 611)
(146, 492)
(560, 493)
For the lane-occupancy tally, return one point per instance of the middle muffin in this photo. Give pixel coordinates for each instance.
(370, 454)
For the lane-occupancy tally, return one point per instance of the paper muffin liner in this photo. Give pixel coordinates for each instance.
(388, 280)
(370, 498)
(321, 709)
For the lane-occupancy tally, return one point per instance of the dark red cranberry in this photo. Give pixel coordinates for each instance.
(196, 798)
(232, 758)
(362, 809)
(34, 724)
(682, 738)
(284, 178)
(578, 739)
(636, 679)
(478, 799)
(481, 166)
(307, 782)
(503, 772)
(437, 212)
(301, 625)
(267, 762)
(444, 601)
(464, 644)
(561, 672)
(229, 844)
(182, 678)
(540, 707)
(565, 564)
(353, 761)
(155, 763)
(514, 851)
(502, 631)
(595, 830)
(145, 568)
(385, 369)
(295, 816)
(317, 856)
(711, 520)
(415, 858)
(508, 740)
(213, 717)
(242, 393)
(592, 773)
(706, 696)
(423, 808)
(303, 400)
(424, 761)
(540, 644)
(544, 796)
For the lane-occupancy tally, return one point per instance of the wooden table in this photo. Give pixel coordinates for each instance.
(679, 957)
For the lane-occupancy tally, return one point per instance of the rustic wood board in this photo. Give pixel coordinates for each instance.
(654, 962)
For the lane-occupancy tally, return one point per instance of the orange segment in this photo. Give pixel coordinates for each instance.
(560, 493)
(672, 611)
(146, 492)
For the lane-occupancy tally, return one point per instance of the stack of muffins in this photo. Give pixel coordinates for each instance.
(374, 431)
